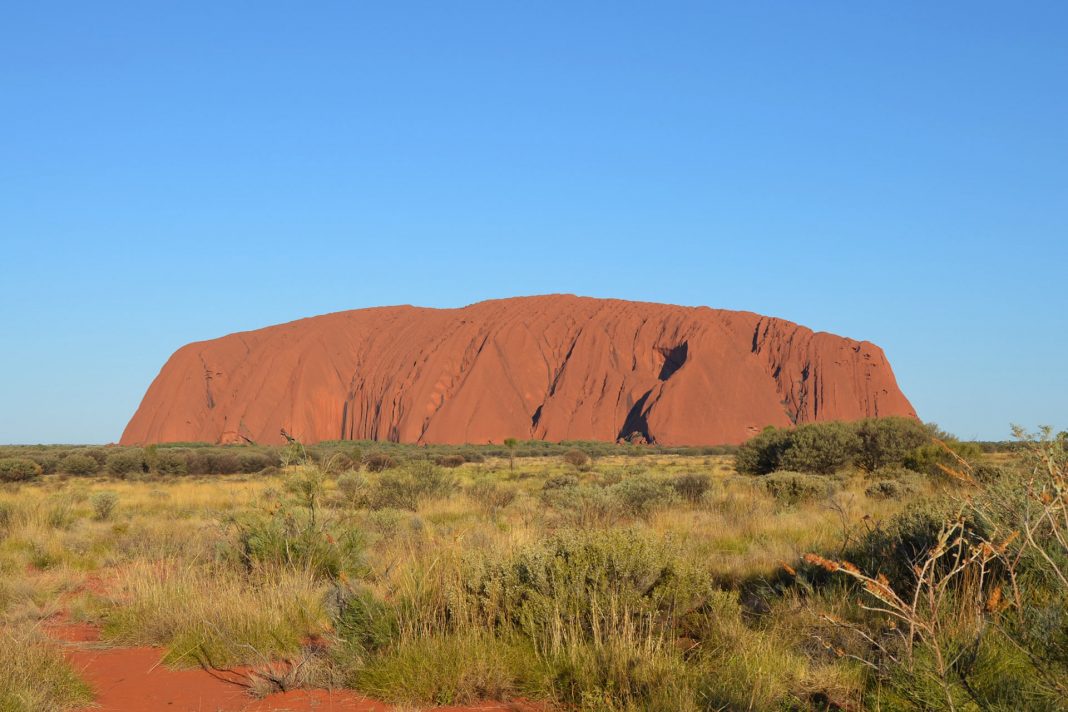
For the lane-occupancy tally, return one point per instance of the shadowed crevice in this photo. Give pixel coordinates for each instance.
(636, 422)
(674, 359)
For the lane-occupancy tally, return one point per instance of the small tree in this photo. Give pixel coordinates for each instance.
(511, 444)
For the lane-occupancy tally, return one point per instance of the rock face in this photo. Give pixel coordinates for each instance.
(553, 367)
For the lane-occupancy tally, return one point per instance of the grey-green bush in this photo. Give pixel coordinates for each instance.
(79, 464)
(491, 496)
(171, 463)
(641, 496)
(888, 489)
(126, 462)
(576, 458)
(18, 469)
(290, 536)
(103, 504)
(791, 488)
(574, 576)
(692, 487)
(354, 489)
(379, 462)
(405, 488)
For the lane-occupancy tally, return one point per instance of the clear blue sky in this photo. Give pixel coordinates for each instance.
(892, 171)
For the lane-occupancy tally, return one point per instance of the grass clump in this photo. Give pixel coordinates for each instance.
(290, 538)
(491, 496)
(451, 669)
(692, 487)
(35, 676)
(575, 582)
(210, 614)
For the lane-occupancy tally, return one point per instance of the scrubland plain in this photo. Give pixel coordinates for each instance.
(889, 568)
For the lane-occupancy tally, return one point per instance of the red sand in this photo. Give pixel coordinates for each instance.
(135, 680)
(554, 368)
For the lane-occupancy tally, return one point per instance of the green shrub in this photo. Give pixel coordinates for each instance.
(97, 453)
(253, 462)
(641, 496)
(576, 458)
(989, 474)
(406, 488)
(888, 441)
(472, 455)
(103, 504)
(379, 462)
(602, 610)
(692, 487)
(583, 580)
(59, 513)
(48, 461)
(491, 496)
(79, 464)
(931, 458)
(893, 472)
(338, 461)
(791, 488)
(171, 463)
(583, 506)
(363, 622)
(292, 537)
(451, 461)
(822, 448)
(354, 489)
(827, 447)
(888, 489)
(763, 453)
(903, 542)
(560, 482)
(306, 485)
(18, 469)
(126, 462)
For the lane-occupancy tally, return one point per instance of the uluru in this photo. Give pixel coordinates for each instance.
(556, 368)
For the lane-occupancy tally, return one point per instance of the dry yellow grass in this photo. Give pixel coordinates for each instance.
(166, 558)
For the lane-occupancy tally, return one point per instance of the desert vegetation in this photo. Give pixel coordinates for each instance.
(874, 565)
